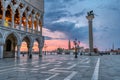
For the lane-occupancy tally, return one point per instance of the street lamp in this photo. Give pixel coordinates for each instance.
(76, 43)
(45, 46)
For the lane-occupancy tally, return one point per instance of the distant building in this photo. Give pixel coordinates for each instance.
(69, 45)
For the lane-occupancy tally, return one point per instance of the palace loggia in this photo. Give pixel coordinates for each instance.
(20, 20)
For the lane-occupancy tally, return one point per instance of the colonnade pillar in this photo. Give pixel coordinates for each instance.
(27, 24)
(1, 51)
(41, 27)
(33, 17)
(18, 51)
(40, 51)
(20, 22)
(30, 51)
(37, 25)
(3, 17)
(12, 20)
(40, 45)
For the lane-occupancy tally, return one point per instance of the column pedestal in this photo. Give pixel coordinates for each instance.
(1, 51)
(18, 51)
(40, 52)
(30, 52)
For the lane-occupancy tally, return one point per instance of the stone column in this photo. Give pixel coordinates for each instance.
(90, 17)
(27, 24)
(41, 27)
(40, 50)
(18, 51)
(41, 44)
(20, 22)
(32, 23)
(1, 51)
(3, 17)
(37, 26)
(30, 51)
(13, 14)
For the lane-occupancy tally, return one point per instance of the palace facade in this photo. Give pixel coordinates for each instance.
(20, 20)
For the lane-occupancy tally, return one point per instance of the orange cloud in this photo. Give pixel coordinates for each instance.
(51, 45)
(53, 34)
(54, 44)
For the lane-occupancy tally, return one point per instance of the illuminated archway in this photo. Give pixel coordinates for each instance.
(26, 42)
(16, 19)
(24, 48)
(35, 48)
(10, 45)
(30, 22)
(24, 24)
(8, 17)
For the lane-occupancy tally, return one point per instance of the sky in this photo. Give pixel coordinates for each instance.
(66, 19)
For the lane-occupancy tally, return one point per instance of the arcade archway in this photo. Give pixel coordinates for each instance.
(9, 47)
(27, 44)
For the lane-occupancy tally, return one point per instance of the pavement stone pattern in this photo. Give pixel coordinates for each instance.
(110, 67)
(60, 67)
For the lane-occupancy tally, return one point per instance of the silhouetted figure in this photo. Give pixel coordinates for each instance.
(30, 56)
(23, 54)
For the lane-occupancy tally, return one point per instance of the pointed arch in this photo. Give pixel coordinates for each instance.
(15, 35)
(36, 45)
(17, 18)
(35, 21)
(24, 24)
(27, 39)
(8, 16)
(30, 22)
(11, 41)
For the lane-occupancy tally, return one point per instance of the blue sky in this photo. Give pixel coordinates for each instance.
(66, 19)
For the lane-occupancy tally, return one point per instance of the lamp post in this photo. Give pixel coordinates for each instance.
(45, 46)
(76, 43)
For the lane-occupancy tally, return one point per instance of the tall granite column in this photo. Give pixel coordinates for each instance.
(90, 17)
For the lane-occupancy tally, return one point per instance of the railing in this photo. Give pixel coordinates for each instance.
(16, 26)
(22, 28)
(9, 24)
(29, 30)
(36, 32)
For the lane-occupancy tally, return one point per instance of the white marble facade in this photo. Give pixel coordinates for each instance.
(20, 21)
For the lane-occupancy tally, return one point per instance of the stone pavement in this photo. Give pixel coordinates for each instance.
(61, 67)
(109, 67)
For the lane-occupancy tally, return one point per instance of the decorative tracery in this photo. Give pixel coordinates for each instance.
(20, 15)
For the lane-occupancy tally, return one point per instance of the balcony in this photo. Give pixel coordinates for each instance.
(8, 25)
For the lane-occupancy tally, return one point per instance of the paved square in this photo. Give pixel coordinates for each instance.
(61, 67)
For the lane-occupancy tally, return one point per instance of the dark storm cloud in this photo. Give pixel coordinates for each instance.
(80, 13)
(81, 0)
(106, 19)
(70, 30)
(56, 14)
(55, 5)
(58, 11)
(67, 1)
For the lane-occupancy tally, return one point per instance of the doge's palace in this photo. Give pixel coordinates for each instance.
(20, 20)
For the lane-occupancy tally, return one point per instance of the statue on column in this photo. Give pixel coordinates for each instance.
(90, 13)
